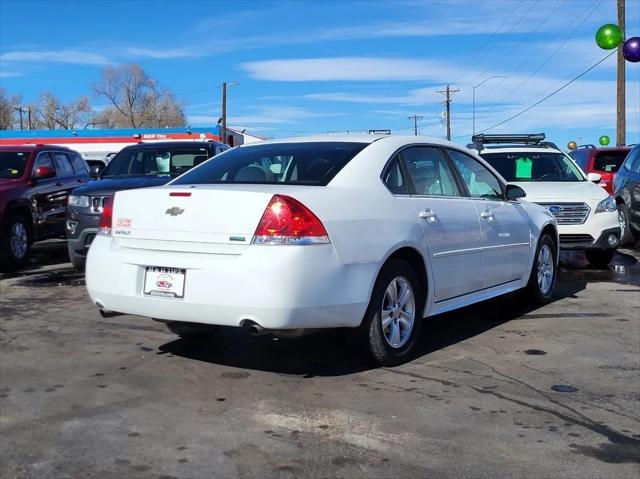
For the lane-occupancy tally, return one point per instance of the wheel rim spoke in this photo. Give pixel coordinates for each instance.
(398, 312)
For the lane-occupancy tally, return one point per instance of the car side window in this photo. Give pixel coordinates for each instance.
(633, 161)
(63, 167)
(43, 159)
(394, 178)
(430, 171)
(79, 166)
(480, 182)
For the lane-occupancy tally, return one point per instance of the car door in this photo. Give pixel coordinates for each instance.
(80, 168)
(449, 222)
(48, 200)
(505, 228)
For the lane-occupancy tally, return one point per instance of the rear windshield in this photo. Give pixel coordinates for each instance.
(534, 166)
(313, 163)
(165, 161)
(609, 161)
(13, 163)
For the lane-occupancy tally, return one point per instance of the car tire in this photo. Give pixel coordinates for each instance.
(15, 243)
(600, 258)
(390, 330)
(544, 271)
(78, 262)
(190, 330)
(627, 238)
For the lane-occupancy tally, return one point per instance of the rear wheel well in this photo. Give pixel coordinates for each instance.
(415, 260)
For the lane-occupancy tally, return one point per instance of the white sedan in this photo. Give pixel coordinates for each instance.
(373, 233)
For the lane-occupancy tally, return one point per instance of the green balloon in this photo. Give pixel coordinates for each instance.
(609, 36)
(604, 140)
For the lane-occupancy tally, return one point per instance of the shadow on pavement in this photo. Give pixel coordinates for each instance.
(333, 353)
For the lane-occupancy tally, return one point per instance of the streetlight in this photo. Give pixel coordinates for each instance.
(474, 97)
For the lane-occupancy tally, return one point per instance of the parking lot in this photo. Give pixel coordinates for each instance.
(497, 390)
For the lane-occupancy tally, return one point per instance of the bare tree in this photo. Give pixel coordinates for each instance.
(7, 110)
(136, 99)
(52, 114)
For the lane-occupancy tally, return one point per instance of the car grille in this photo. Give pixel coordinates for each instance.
(576, 239)
(97, 203)
(568, 213)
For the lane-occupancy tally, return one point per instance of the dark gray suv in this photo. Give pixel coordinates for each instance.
(136, 166)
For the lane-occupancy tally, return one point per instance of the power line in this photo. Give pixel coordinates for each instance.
(546, 97)
(552, 54)
(527, 37)
(415, 119)
(487, 41)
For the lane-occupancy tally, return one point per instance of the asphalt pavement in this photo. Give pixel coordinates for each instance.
(497, 390)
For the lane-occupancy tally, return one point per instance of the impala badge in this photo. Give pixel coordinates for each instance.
(174, 211)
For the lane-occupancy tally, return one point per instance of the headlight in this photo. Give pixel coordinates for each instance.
(80, 201)
(606, 205)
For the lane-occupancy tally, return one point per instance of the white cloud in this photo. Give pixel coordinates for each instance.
(9, 74)
(55, 56)
(279, 115)
(167, 53)
(347, 69)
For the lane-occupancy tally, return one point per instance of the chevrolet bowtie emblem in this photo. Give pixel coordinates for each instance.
(174, 211)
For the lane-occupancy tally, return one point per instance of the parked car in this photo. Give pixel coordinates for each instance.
(35, 181)
(135, 166)
(372, 233)
(586, 214)
(627, 195)
(603, 161)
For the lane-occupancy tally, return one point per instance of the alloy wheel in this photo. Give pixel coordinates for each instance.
(545, 269)
(398, 312)
(19, 241)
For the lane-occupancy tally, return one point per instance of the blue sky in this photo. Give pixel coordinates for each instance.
(318, 66)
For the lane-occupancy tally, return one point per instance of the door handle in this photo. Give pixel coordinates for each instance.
(428, 215)
(487, 215)
(59, 183)
(80, 181)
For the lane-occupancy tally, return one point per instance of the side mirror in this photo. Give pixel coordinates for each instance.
(43, 172)
(95, 171)
(594, 177)
(513, 192)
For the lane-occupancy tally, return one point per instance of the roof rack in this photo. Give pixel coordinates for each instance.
(479, 141)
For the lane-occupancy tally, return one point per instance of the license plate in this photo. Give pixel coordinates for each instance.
(164, 282)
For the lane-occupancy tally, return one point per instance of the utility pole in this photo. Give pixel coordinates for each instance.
(21, 110)
(621, 124)
(415, 119)
(447, 102)
(223, 127)
(29, 118)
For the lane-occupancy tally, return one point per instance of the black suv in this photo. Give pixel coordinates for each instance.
(135, 166)
(626, 191)
(35, 181)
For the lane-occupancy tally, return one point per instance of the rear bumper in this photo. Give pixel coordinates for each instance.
(277, 287)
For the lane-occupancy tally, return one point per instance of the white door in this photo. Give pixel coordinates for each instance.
(504, 224)
(449, 221)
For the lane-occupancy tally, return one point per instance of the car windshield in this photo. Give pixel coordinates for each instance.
(609, 161)
(312, 163)
(161, 161)
(13, 163)
(534, 166)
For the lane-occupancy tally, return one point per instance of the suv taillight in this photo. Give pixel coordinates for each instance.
(104, 226)
(286, 221)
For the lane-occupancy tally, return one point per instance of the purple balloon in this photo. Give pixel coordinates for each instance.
(631, 49)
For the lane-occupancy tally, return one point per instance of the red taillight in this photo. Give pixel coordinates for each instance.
(104, 226)
(287, 221)
(179, 193)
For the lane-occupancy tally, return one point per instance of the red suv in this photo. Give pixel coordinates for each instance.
(35, 181)
(603, 161)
